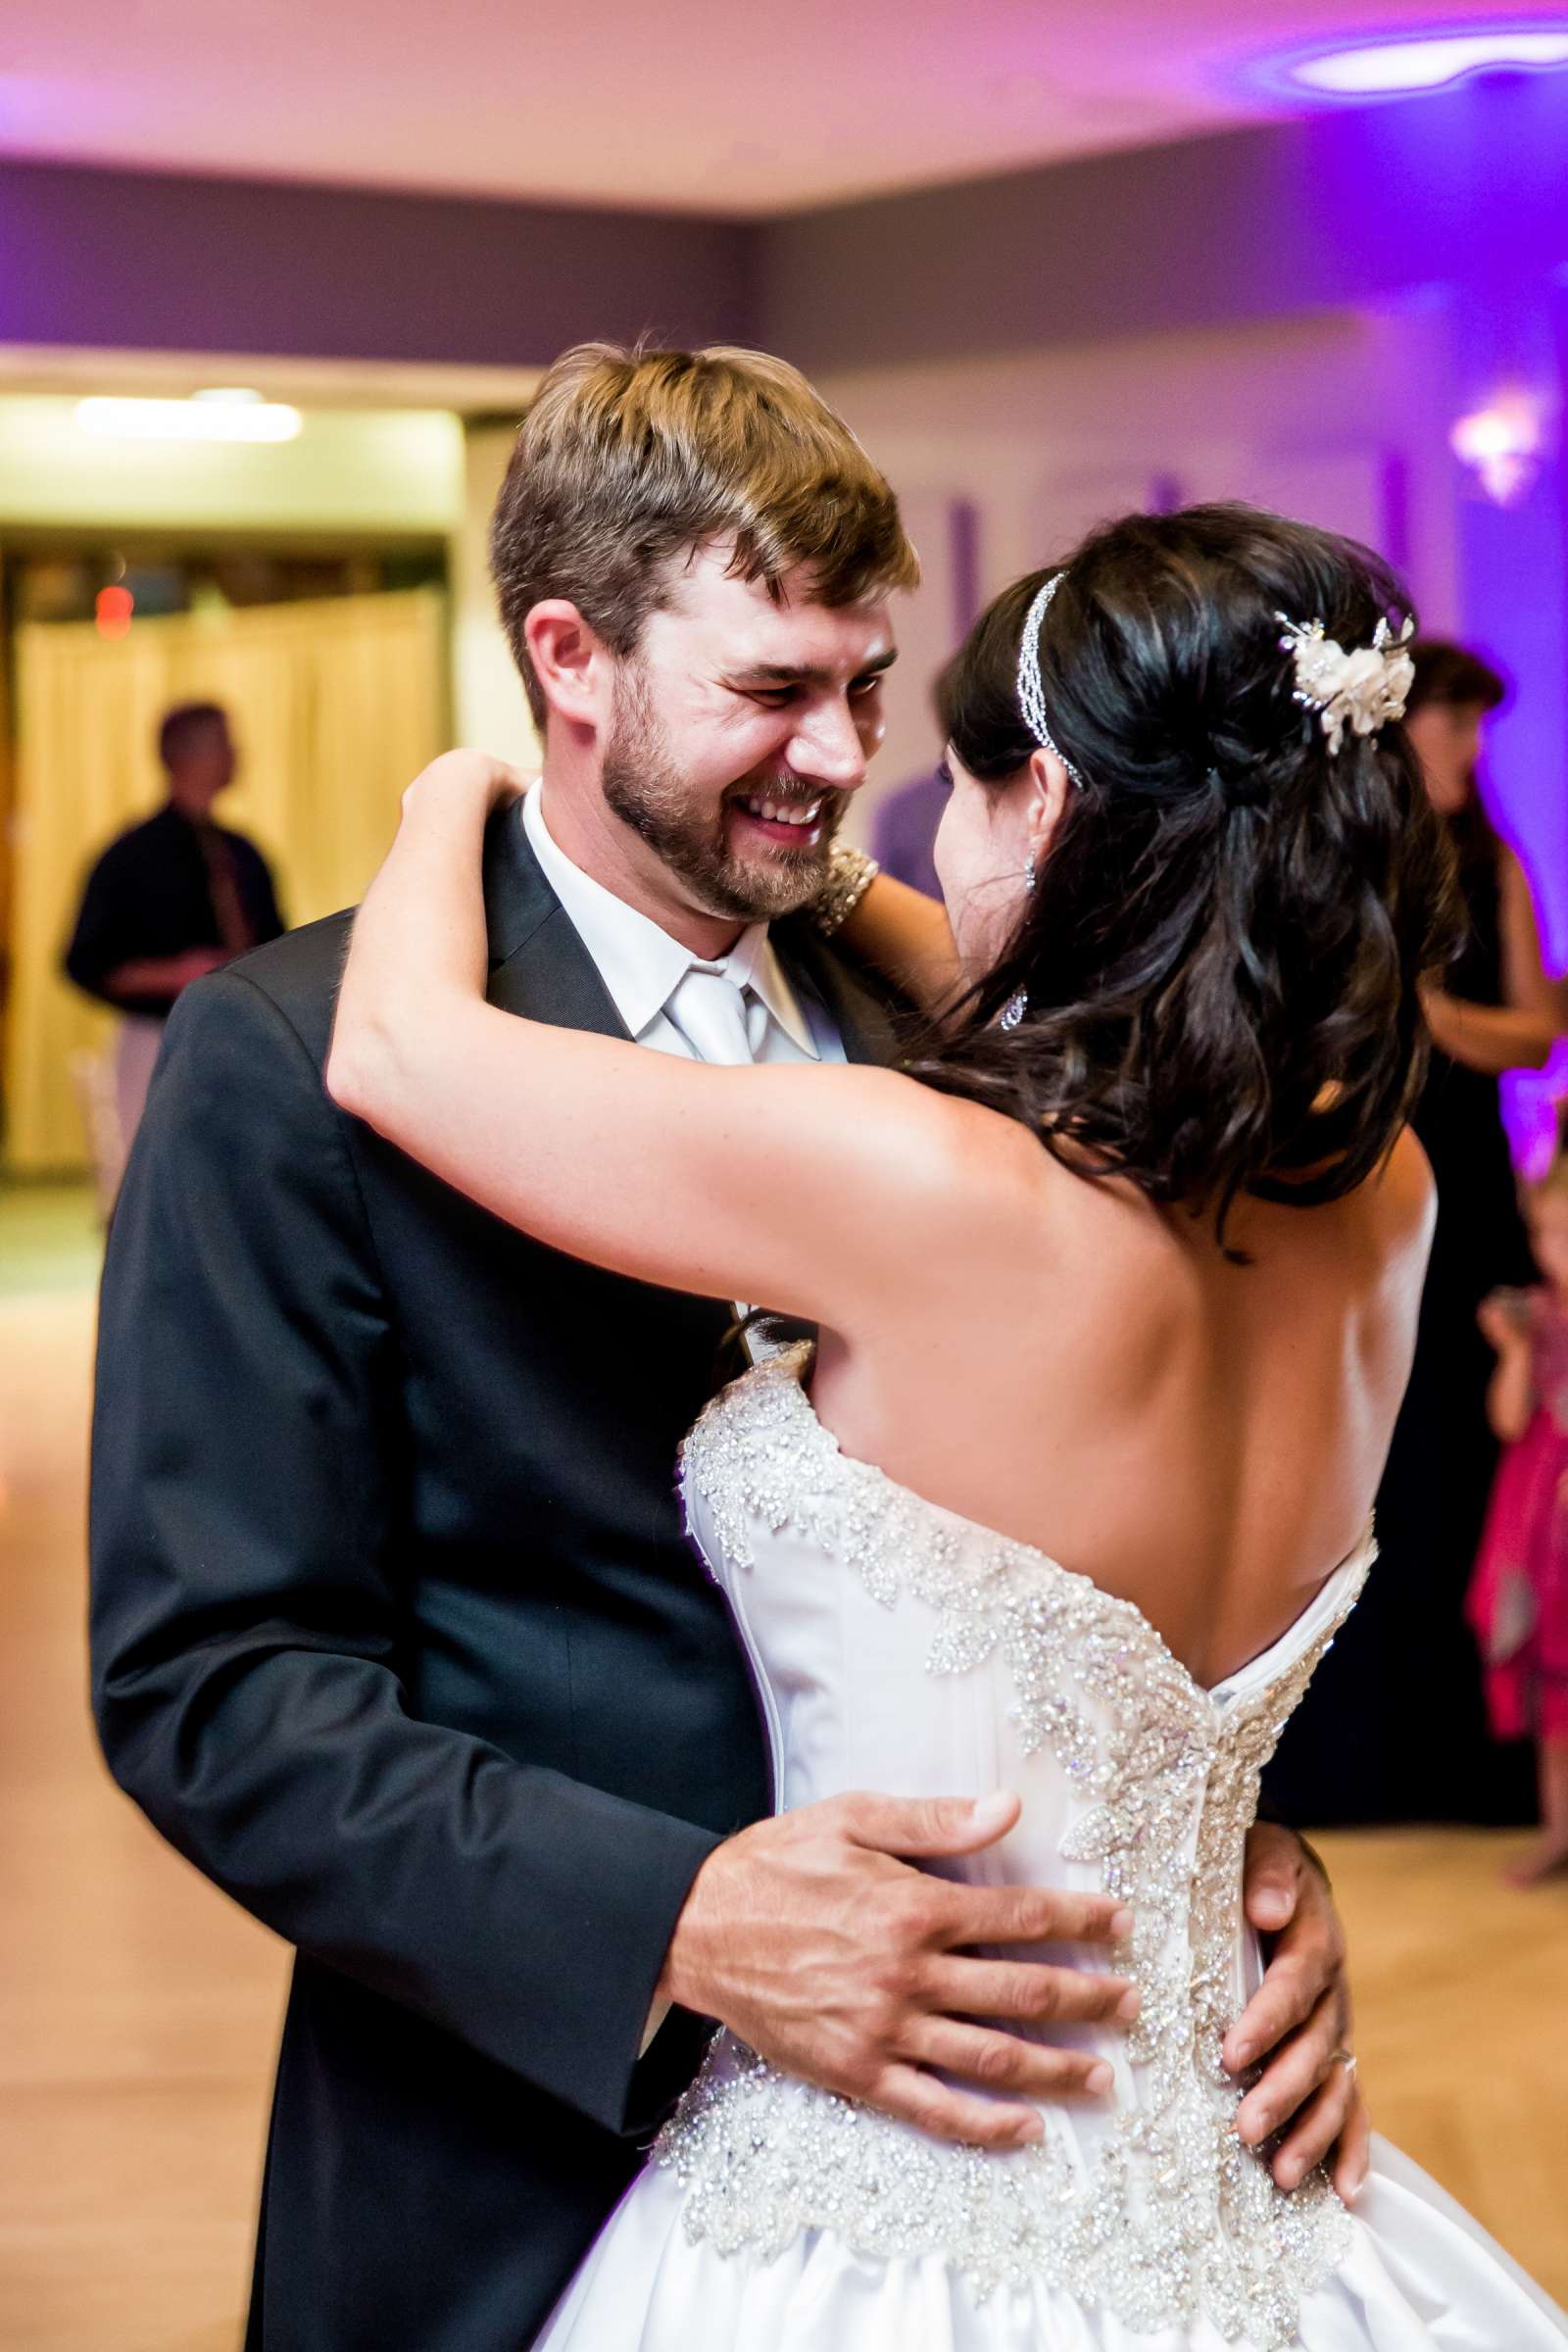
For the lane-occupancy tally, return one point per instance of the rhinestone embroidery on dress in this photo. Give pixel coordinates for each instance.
(1175, 2217)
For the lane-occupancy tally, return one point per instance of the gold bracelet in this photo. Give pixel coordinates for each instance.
(850, 875)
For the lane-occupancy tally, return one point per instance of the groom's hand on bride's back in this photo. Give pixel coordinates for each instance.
(814, 1939)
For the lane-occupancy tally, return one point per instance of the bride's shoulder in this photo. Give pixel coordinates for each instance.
(1000, 1167)
(1407, 1214)
(1380, 1231)
(1403, 1192)
(996, 1173)
(975, 1147)
(926, 1156)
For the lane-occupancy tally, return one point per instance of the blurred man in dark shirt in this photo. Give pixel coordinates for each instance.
(171, 900)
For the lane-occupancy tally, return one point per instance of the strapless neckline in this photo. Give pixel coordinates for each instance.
(787, 1373)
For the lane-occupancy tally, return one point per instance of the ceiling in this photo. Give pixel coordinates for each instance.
(713, 106)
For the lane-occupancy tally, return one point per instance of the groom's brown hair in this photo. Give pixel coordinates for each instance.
(627, 459)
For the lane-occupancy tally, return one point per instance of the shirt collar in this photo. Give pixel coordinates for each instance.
(640, 965)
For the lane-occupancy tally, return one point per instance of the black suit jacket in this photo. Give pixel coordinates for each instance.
(396, 1636)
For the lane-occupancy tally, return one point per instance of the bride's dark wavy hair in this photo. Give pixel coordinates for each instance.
(1223, 954)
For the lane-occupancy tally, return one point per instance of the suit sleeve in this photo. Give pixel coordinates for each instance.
(248, 1550)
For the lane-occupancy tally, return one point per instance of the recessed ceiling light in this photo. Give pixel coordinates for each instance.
(222, 415)
(1430, 61)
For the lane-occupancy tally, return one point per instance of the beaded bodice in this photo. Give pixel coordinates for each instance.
(900, 1647)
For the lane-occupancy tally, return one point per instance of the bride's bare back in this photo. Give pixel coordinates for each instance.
(1093, 1375)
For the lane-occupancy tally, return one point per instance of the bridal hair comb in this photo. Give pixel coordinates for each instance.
(1360, 689)
(1031, 692)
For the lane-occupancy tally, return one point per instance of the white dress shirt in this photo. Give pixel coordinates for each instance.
(642, 967)
(672, 1001)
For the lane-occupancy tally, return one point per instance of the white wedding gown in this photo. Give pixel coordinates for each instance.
(902, 1648)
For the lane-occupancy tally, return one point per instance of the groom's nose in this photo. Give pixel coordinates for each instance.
(830, 747)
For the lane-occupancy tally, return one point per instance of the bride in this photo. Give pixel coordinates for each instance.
(1118, 1283)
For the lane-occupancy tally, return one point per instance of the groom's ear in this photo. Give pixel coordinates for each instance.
(570, 662)
(1049, 788)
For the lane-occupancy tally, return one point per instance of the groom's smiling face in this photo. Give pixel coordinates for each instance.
(740, 728)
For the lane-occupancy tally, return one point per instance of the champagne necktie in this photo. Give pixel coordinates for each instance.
(709, 1011)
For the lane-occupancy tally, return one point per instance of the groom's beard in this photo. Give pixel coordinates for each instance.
(645, 790)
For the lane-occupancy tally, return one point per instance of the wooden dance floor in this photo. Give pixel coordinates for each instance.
(139, 2009)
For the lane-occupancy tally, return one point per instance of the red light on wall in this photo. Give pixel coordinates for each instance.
(115, 609)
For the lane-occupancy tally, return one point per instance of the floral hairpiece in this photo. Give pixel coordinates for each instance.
(1360, 689)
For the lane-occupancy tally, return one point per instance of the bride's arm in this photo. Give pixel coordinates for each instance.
(907, 937)
(807, 1189)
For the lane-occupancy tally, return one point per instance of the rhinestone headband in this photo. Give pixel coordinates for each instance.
(1031, 692)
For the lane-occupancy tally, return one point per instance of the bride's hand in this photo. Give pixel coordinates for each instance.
(1296, 2028)
(418, 941)
(462, 778)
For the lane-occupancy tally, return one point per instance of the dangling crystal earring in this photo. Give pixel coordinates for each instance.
(1030, 877)
(1013, 1010)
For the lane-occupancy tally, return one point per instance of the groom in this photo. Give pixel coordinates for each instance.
(395, 1633)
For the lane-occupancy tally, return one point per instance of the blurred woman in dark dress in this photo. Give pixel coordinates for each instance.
(1377, 1740)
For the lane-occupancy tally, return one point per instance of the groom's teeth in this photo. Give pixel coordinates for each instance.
(775, 813)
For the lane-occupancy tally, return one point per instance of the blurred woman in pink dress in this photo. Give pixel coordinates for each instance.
(1519, 1598)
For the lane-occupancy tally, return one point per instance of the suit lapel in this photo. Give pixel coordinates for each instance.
(539, 966)
(864, 1020)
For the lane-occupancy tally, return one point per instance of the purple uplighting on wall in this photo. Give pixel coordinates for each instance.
(1469, 183)
(1479, 170)
(1394, 497)
(1513, 550)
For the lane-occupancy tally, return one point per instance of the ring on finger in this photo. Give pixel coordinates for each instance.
(1348, 2060)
